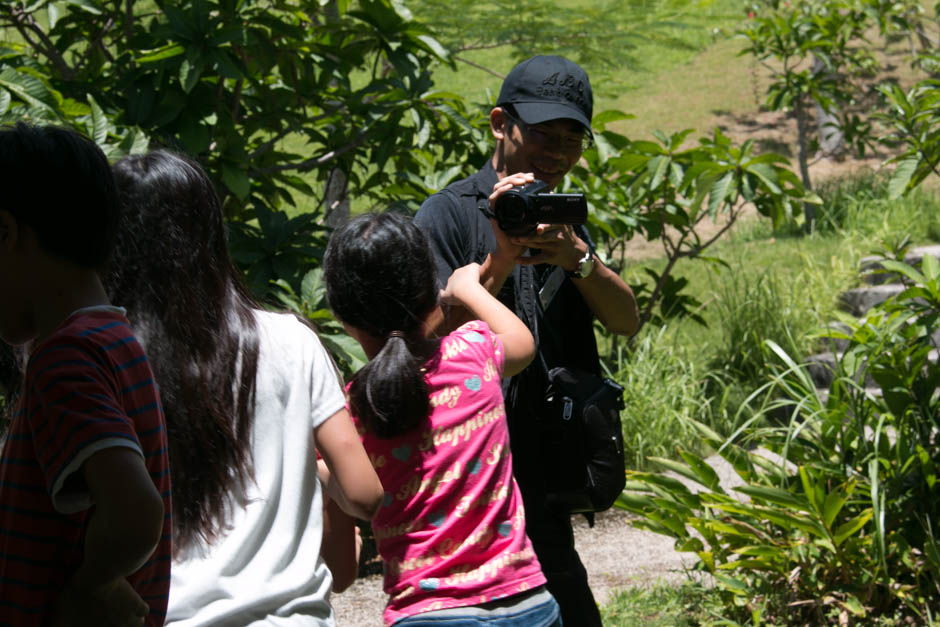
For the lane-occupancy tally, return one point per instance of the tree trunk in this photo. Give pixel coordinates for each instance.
(831, 139)
(809, 210)
(336, 200)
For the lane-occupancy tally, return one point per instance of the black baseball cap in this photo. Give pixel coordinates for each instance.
(547, 88)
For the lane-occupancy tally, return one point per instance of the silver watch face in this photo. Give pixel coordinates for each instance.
(586, 266)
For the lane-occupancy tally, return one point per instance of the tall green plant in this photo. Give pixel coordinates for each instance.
(836, 520)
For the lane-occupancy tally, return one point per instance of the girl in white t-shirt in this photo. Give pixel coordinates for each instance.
(249, 397)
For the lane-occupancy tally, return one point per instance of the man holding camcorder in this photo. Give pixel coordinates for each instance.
(536, 255)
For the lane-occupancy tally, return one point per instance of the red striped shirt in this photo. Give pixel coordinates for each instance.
(88, 387)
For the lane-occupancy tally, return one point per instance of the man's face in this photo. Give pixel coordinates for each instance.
(548, 150)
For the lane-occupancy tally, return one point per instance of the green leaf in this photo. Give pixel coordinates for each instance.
(905, 269)
(732, 584)
(832, 506)
(434, 46)
(658, 166)
(776, 496)
(29, 89)
(312, 287)
(236, 180)
(85, 5)
(99, 122)
(852, 604)
(345, 349)
(159, 54)
(190, 71)
(5, 100)
(848, 528)
(704, 473)
(902, 177)
(602, 119)
(716, 195)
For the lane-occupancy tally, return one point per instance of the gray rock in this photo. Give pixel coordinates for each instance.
(859, 300)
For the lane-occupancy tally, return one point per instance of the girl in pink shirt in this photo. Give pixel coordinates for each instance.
(451, 530)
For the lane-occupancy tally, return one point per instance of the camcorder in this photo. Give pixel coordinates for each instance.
(520, 209)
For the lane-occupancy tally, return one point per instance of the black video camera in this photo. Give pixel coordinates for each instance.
(520, 209)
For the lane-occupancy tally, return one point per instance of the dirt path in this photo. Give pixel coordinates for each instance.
(615, 555)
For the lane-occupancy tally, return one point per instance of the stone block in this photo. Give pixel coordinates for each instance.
(859, 300)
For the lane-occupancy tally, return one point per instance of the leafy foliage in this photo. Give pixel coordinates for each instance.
(816, 51)
(839, 505)
(291, 105)
(665, 191)
(913, 117)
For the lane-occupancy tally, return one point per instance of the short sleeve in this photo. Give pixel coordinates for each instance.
(443, 222)
(326, 391)
(477, 332)
(73, 413)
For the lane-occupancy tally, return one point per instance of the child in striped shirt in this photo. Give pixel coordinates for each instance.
(84, 483)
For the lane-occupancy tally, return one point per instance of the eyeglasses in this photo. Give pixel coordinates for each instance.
(542, 137)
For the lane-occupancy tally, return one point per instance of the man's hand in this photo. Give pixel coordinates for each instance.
(112, 604)
(557, 244)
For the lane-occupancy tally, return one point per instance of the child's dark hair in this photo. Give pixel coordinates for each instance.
(380, 278)
(186, 301)
(60, 184)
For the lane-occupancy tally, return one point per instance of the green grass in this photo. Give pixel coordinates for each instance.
(644, 81)
(663, 391)
(661, 605)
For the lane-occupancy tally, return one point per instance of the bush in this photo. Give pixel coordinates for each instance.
(860, 204)
(838, 520)
(663, 394)
(753, 309)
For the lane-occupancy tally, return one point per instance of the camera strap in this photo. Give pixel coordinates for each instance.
(484, 205)
(551, 286)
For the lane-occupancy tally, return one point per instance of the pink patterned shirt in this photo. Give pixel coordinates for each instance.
(451, 530)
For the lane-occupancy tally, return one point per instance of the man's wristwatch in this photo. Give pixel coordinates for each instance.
(584, 268)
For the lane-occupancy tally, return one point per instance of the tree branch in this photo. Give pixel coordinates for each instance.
(98, 43)
(128, 20)
(479, 67)
(309, 164)
(26, 24)
(733, 217)
(266, 146)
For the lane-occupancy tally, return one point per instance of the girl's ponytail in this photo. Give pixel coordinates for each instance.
(380, 278)
(390, 394)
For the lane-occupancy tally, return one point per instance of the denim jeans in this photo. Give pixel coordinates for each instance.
(544, 614)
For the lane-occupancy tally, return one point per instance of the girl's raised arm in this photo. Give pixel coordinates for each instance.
(464, 288)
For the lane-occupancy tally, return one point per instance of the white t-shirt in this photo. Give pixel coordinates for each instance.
(267, 569)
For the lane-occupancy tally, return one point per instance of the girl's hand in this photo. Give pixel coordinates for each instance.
(462, 285)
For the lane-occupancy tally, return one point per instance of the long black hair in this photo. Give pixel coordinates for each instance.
(189, 308)
(380, 278)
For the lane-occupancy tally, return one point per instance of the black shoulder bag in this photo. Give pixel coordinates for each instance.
(581, 439)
